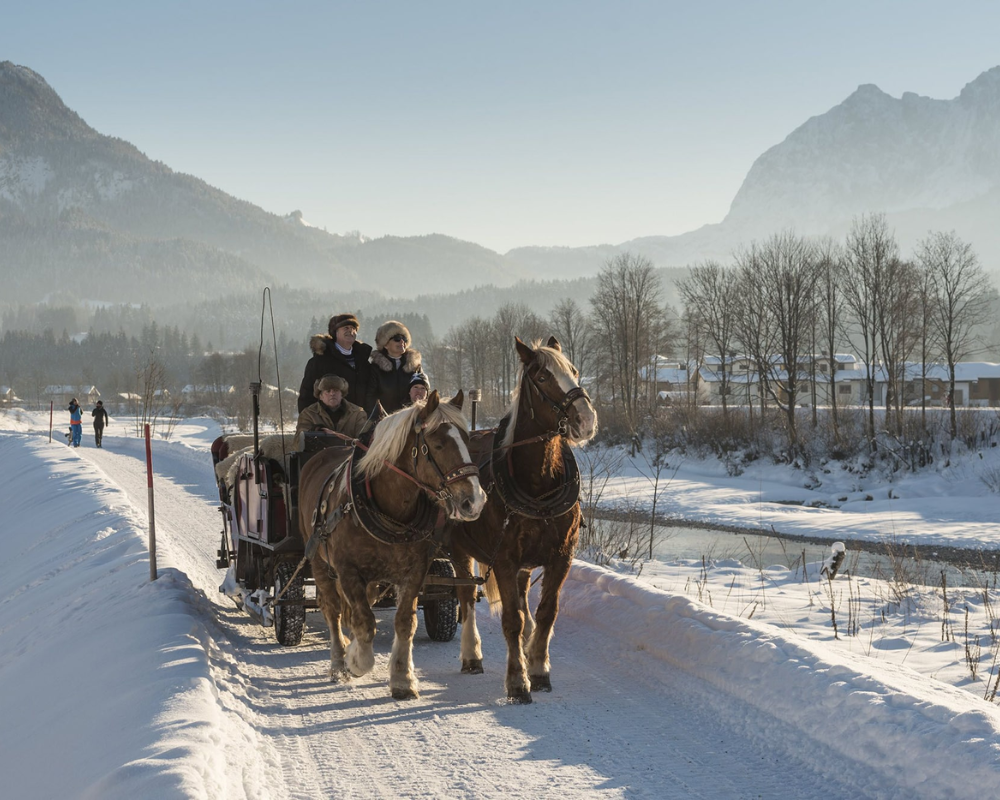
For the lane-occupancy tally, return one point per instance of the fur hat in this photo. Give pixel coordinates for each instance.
(389, 329)
(420, 379)
(340, 320)
(328, 382)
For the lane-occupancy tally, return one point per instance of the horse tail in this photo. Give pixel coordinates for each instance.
(491, 589)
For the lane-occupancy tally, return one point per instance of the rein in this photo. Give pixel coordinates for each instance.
(464, 470)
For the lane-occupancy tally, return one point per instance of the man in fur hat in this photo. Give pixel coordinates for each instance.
(331, 413)
(393, 364)
(339, 353)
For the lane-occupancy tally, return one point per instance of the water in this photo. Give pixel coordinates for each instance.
(758, 551)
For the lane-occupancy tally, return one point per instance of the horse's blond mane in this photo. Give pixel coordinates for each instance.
(548, 358)
(392, 432)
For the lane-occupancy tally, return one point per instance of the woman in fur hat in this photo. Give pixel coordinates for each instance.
(393, 365)
(331, 413)
(339, 353)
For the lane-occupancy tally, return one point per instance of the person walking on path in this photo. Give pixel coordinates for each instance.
(101, 419)
(75, 422)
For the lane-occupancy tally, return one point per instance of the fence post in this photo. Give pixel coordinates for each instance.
(152, 515)
(475, 395)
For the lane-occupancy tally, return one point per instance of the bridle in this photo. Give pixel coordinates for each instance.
(420, 448)
(442, 493)
(559, 407)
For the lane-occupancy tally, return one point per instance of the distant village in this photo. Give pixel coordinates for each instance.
(822, 381)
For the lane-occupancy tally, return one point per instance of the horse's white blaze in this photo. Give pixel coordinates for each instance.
(478, 495)
(588, 418)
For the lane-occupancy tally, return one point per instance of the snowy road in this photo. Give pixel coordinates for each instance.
(177, 694)
(619, 723)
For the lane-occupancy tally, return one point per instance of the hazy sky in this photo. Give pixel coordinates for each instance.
(503, 123)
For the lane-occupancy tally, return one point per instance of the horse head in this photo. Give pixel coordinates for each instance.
(551, 389)
(441, 457)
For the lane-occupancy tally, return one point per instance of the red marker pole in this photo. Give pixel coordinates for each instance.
(51, 405)
(152, 515)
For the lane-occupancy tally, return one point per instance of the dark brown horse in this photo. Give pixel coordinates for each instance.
(370, 520)
(533, 515)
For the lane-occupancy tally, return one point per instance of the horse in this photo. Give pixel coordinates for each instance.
(532, 518)
(370, 519)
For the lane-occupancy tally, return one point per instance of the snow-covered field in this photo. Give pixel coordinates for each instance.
(711, 681)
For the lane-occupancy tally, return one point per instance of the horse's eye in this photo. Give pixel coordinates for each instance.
(542, 377)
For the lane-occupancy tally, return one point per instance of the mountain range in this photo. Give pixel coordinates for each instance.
(85, 215)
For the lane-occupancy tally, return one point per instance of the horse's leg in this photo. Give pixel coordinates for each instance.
(523, 584)
(329, 603)
(360, 654)
(472, 644)
(402, 679)
(537, 648)
(512, 620)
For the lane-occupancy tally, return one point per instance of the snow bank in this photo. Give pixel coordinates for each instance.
(133, 712)
(887, 717)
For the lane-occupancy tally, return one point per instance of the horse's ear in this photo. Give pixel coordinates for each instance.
(433, 399)
(554, 344)
(457, 400)
(526, 353)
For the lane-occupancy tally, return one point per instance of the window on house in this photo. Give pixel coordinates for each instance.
(844, 388)
(822, 368)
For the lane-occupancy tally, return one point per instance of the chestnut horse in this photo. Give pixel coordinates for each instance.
(533, 515)
(370, 519)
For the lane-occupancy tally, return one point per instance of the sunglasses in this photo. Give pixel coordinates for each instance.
(397, 338)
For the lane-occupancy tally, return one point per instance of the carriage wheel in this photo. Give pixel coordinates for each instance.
(441, 616)
(289, 620)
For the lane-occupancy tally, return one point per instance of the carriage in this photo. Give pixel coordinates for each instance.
(342, 522)
(263, 549)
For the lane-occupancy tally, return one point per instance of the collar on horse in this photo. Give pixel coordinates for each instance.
(553, 503)
(556, 501)
(386, 529)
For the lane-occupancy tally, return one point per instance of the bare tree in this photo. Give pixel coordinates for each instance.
(785, 269)
(571, 327)
(962, 295)
(869, 249)
(896, 315)
(627, 316)
(513, 319)
(829, 266)
(149, 399)
(710, 296)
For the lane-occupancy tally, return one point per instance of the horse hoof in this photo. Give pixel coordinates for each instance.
(339, 675)
(404, 694)
(519, 698)
(472, 666)
(540, 683)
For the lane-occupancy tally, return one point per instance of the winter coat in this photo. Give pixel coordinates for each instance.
(75, 415)
(347, 419)
(100, 415)
(328, 360)
(390, 383)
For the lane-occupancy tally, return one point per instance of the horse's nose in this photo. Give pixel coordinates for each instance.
(468, 507)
